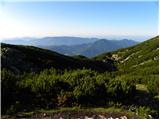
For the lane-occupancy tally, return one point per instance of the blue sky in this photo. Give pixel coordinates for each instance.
(85, 19)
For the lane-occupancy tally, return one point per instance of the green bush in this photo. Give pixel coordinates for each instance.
(119, 90)
(54, 88)
(8, 87)
(14, 108)
(65, 99)
(144, 111)
(153, 87)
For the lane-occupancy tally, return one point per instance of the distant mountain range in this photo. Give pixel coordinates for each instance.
(71, 46)
(49, 41)
(91, 49)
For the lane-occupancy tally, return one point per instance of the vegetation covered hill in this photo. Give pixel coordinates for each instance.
(126, 79)
(140, 61)
(20, 58)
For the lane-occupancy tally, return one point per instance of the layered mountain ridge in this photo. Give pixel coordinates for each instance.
(71, 46)
(91, 49)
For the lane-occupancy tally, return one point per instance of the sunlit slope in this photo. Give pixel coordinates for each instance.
(138, 60)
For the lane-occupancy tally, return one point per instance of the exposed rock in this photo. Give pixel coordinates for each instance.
(156, 58)
(110, 118)
(86, 117)
(123, 117)
(101, 117)
(150, 117)
(116, 57)
(44, 114)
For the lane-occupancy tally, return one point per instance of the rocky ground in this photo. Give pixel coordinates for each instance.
(74, 115)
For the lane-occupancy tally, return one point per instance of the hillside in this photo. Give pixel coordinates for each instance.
(139, 60)
(123, 83)
(138, 64)
(20, 58)
(93, 48)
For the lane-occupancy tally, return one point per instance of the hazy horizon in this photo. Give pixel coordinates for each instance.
(135, 38)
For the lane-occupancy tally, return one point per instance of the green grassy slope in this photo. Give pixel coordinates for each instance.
(138, 64)
(137, 61)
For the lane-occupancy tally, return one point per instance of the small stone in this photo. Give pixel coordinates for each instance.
(44, 114)
(101, 117)
(110, 118)
(149, 116)
(123, 117)
(86, 117)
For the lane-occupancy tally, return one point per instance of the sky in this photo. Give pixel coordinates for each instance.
(116, 19)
